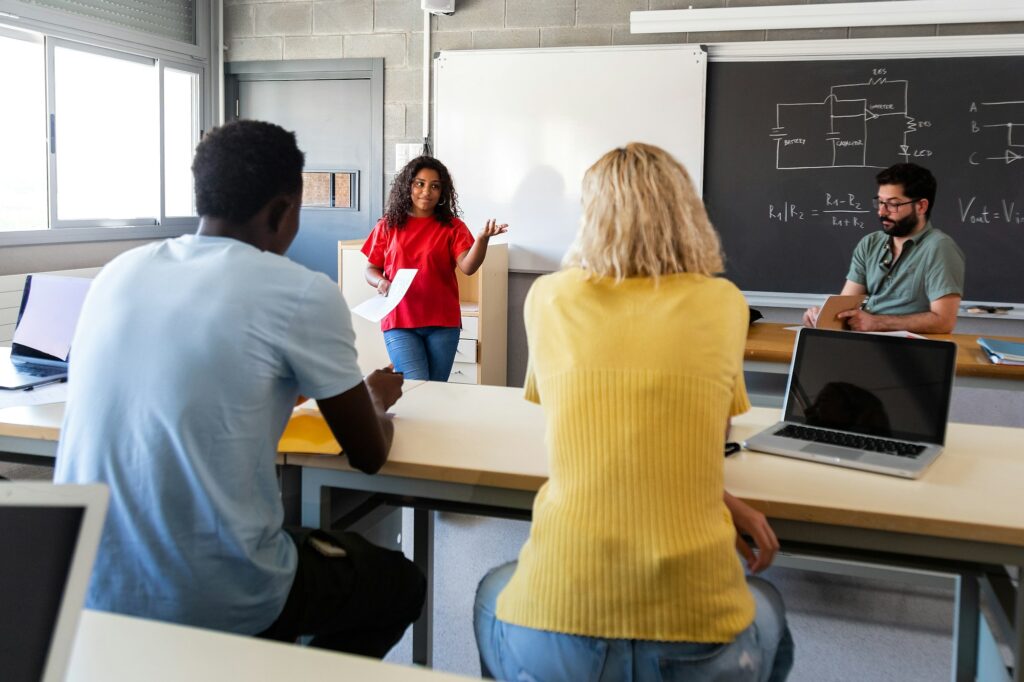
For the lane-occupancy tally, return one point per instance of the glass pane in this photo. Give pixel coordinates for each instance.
(22, 136)
(107, 137)
(316, 189)
(343, 189)
(181, 108)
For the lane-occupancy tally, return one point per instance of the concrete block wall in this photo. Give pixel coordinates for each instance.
(393, 29)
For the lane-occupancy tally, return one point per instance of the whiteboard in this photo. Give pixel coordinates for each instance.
(518, 128)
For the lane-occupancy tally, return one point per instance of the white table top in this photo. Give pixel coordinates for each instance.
(487, 435)
(113, 648)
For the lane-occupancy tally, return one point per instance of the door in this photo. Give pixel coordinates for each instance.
(337, 116)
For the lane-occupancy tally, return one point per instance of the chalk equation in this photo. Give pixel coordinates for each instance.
(858, 125)
(1000, 129)
(837, 210)
(1005, 211)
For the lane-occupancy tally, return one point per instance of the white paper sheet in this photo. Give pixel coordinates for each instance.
(51, 313)
(50, 393)
(374, 309)
(906, 335)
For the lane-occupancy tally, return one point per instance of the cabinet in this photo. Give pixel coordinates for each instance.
(482, 354)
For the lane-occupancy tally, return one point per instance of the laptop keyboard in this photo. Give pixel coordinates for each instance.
(39, 370)
(850, 440)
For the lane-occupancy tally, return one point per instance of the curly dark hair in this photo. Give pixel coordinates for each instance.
(242, 165)
(400, 198)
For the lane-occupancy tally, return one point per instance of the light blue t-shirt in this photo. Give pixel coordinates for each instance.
(186, 363)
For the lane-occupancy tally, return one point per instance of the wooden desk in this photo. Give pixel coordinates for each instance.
(113, 648)
(480, 450)
(769, 350)
(28, 435)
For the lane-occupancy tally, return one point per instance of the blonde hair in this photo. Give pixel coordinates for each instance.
(642, 218)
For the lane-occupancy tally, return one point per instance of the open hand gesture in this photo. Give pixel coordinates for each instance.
(491, 229)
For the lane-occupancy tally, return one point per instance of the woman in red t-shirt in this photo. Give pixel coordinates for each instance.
(421, 229)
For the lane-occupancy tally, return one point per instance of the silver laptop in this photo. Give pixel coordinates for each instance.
(49, 534)
(864, 401)
(42, 336)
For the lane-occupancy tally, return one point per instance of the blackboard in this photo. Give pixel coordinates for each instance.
(792, 149)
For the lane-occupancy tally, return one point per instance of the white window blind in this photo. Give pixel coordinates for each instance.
(172, 19)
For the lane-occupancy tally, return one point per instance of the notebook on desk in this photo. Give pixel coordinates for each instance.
(50, 534)
(864, 401)
(833, 306)
(49, 310)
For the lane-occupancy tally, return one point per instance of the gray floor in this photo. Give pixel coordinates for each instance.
(25, 472)
(845, 628)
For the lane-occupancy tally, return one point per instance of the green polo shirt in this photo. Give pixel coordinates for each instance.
(930, 267)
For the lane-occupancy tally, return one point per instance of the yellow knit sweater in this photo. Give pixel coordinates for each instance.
(630, 537)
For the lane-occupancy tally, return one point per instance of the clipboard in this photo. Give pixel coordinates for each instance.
(835, 305)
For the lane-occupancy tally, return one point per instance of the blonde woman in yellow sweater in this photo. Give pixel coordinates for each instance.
(631, 570)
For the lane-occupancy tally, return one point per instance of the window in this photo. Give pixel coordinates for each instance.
(106, 137)
(98, 131)
(22, 133)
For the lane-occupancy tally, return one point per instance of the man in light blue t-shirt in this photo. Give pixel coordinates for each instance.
(189, 356)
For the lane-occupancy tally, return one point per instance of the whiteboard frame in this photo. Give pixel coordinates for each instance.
(541, 252)
(925, 47)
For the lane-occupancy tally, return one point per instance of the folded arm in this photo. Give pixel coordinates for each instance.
(939, 319)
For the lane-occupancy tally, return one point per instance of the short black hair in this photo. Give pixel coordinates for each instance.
(396, 212)
(242, 165)
(917, 181)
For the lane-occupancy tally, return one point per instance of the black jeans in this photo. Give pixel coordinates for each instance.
(361, 603)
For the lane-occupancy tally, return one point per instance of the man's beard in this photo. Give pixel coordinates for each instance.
(900, 228)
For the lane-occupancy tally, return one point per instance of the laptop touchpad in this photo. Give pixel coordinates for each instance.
(831, 451)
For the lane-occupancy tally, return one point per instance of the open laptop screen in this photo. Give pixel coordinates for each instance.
(49, 534)
(50, 306)
(39, 545)
(871, 384)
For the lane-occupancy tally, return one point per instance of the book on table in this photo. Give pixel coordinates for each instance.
(1003, 352)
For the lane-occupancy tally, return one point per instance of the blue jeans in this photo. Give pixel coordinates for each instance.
(761, 653)
(423, 352)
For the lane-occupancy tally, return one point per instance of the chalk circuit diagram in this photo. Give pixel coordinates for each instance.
(857, 125)
(1001, 125)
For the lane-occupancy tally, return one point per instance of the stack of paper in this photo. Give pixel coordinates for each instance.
(1003, 352)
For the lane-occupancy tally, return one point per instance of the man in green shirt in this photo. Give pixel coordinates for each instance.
(912, 273)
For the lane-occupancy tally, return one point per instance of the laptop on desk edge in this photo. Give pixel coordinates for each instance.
(50, 534)
(28, 367)
(864, 401)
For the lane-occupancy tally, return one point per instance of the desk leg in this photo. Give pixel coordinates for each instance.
(965, 628)
(1018, 631)
(423, 556)
(289, 478)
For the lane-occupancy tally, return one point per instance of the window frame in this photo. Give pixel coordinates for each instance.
(54, 27)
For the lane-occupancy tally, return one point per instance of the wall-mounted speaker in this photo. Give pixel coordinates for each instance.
(438, 6)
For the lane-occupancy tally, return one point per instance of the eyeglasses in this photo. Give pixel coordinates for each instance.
(891, 205)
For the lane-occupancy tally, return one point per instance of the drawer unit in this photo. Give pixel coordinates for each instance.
(466, 351)
(470, 328)
(464, 373)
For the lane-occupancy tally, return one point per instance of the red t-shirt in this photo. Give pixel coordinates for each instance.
(431, 248)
